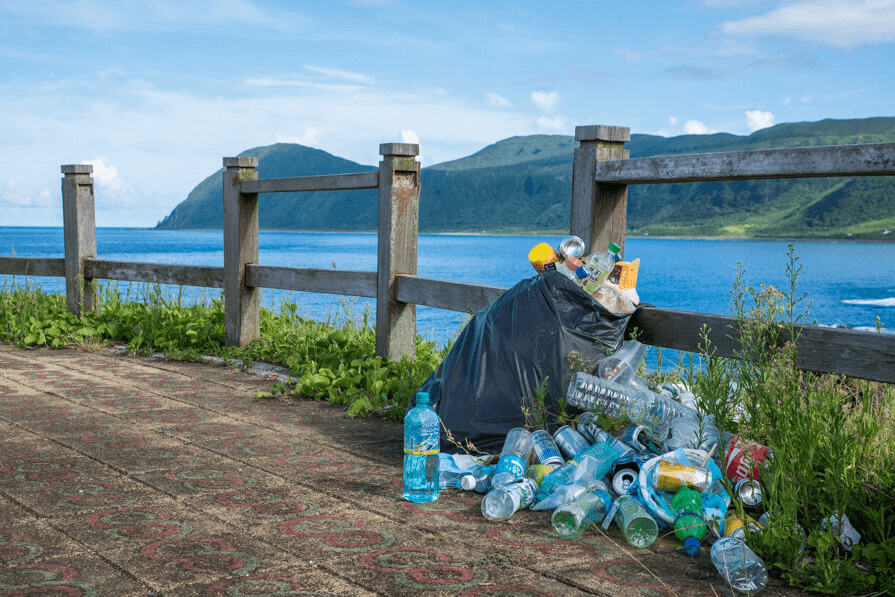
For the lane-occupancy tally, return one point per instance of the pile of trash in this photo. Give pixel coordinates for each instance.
(670, 469)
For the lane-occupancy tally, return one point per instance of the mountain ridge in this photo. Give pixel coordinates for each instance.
(523, 184)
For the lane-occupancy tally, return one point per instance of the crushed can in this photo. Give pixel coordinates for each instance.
(735, 527)
(842, 529)
(744, 459)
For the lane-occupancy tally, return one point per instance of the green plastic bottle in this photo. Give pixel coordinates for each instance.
(689, 519)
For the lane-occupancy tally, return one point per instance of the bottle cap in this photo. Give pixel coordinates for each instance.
(421, 397)
(614, 248)
(692, 547)
(467, 483)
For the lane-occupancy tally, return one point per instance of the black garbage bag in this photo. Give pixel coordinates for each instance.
(505, 352)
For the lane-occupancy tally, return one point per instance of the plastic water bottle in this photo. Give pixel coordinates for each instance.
(572, 519)
(689, 519)
(591, 392)
(636, 524)
(599, 265)
(602, 456)
(501, 503)
(478, 479)
(513, 457)
(622, 365)
(421, 446)
(739, 565)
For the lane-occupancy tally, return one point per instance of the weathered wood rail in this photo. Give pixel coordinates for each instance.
(600, 178)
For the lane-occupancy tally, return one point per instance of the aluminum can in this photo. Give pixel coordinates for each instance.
(570, 442)
(671, 477)
(572, 246)
(546, 450)
(623, 481)
(749, 492)
(587, 426)
(841, 528)
(744, 459)
(734, 526)
(634, 436)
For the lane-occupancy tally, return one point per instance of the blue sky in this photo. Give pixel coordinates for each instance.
(154, 93)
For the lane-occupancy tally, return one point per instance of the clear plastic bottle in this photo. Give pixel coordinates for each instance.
(501, 503)
(689, 519)
(636, 524)
(478, 479)
(421, 446)
(644, 407)
(572, 519)
(602, 456)
(739, 565)
(622, 365)
(599, 265)
(513, 457)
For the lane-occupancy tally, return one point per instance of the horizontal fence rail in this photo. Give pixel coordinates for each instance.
(329, 182)
(32, 266)
(327, 281)
(872, 159)
(155, 273)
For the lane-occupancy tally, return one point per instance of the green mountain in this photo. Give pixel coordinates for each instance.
(523, 184)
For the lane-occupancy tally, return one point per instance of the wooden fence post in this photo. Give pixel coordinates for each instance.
(79, 230)
(599, 211)
(241, 303)
(399, 212)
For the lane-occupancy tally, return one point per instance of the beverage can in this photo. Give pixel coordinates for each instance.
(572, 246)
(541, 255)
(670, 476)
(634, 436)
(623, 481)
(749, 492)
(734, 526)
(546, 450)
(570, 442)
(744, 459)
(842, 529)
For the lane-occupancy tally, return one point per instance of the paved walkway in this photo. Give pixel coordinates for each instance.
(122, 476)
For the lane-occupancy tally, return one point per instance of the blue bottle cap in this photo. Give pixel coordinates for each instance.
(692, 547)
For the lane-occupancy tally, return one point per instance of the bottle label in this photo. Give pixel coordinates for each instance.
(425, 442)
(510, 463)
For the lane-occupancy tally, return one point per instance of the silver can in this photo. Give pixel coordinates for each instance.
(546, 450)
(749, 491)
(570, 442)
(623, 481)
(572, 246)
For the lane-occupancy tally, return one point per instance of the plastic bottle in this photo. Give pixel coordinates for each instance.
(689, 519)
(622, 365)
(644, 407)
(513, 457)
(698, 433)
(572, 519)
(636, 524)
(599, 265)
(592, 432)
(421, 446)
(739, 565)
(501, 503)
(478, 479)
(602, 457)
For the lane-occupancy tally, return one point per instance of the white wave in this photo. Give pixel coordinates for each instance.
(886, 302)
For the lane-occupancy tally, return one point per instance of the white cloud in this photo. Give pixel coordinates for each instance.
(553, 124)
(672, 120)
(845, 23)
(787, 100)
(336, 73)
(757, 119)
(544, 100)
(695, 127)
(14, 194)
(111, 192)
(308, 138)
(495, 99)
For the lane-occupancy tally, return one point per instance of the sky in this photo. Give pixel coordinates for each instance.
(155, 93)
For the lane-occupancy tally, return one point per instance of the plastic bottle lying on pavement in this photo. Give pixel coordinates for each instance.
(572, 519)
(502, 503)
(698, 433)
(689, 519)
(601, 458)
(622, 365)
(478, 479)
(513, 457)
(636, 524)
(591, 392)
(739, 565)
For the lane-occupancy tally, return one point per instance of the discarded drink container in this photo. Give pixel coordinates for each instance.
(689, 519)
(740, 567)
(636, 524)
(634, 436)
(587, 426)
(421, 446)
(570, 442)
(478, 480)
(537, 472)
(623, 481)
(744, 458)
(736, 528)
(571, 246)
(502, 503)
(768, 518)
(513, 457)
(842, 529)
(749, 491)
(601, 453)
(572, 519)
(669, 476)
(546, 450)
(543, 257)
(622, 365)
(642, 406)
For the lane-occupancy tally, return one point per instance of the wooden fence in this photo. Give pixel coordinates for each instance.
(600, 178)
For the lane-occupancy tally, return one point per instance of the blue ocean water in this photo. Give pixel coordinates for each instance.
(847, 283)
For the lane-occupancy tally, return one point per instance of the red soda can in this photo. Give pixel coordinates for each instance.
(744, 459)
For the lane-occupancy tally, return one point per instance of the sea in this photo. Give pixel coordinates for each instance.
(844, 283)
